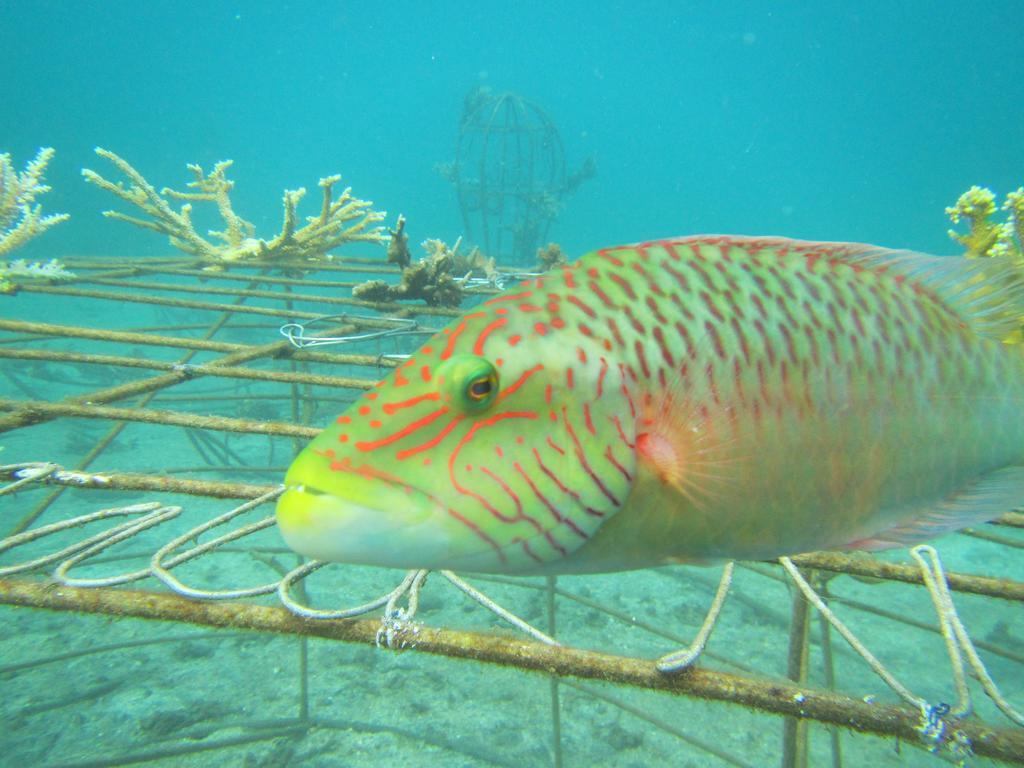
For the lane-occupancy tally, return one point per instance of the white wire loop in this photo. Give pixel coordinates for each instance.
(298, 336)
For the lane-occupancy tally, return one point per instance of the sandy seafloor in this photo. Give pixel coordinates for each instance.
(200, 686)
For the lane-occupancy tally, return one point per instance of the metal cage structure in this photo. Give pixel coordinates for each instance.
(509, 175)
(158, 404)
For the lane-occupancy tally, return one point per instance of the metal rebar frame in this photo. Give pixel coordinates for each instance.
(59, 376)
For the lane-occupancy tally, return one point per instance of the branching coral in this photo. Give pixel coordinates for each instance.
(347, 219)
(984, 236)
(20, 220)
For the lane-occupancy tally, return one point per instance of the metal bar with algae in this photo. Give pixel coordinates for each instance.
(201, 345)
(23, 415)
(27, 412)
(216, 307)
(195, 370)
(768, 696)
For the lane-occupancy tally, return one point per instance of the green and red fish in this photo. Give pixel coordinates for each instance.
(678, 401)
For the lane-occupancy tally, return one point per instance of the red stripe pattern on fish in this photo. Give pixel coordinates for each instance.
(682, 400)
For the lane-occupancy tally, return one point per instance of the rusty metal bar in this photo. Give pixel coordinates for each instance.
(194, 370)
(80, 293)
(131, 481)
(794, 730)
(127, 337)
(256, 294)
(767, 696)
(294, 281)
(200, 345)
(854, 565)
(38, 411)
(25, 416)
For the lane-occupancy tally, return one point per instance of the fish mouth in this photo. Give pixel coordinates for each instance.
(326, 525)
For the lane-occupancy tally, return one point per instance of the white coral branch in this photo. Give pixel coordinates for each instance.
(21, 219)
(344, 220)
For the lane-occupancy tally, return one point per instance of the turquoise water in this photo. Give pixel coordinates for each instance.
(842, 121)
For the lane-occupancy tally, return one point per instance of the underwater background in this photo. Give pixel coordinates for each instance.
(829, 120)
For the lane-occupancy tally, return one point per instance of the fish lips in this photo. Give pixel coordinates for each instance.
(326, 526)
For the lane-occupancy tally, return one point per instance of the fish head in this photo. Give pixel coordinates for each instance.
(486, 450)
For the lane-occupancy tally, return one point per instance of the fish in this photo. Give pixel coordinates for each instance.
(687, 400)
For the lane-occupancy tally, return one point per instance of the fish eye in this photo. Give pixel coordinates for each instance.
(481, 387)
(468, 382)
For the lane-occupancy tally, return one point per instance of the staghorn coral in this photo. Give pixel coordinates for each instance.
(347, 219)
(20, 220)
(985, 237)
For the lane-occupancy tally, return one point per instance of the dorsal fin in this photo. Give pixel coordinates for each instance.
(987, 293)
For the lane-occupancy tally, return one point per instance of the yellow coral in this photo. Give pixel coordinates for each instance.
(984, 236)
(988, 238)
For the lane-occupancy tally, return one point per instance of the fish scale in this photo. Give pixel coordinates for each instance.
(681, 400)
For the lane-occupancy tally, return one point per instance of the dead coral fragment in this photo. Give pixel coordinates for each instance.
(347, 219)
(398, 247)
(20, 220)
(550, 257)
(984, 236)
(474, 267)
(429, 279)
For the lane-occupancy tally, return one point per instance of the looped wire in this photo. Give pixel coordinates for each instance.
(305, 611)
(297, 333)
(154, 513)
(161, 570)
(958, 642)
(119, 533)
